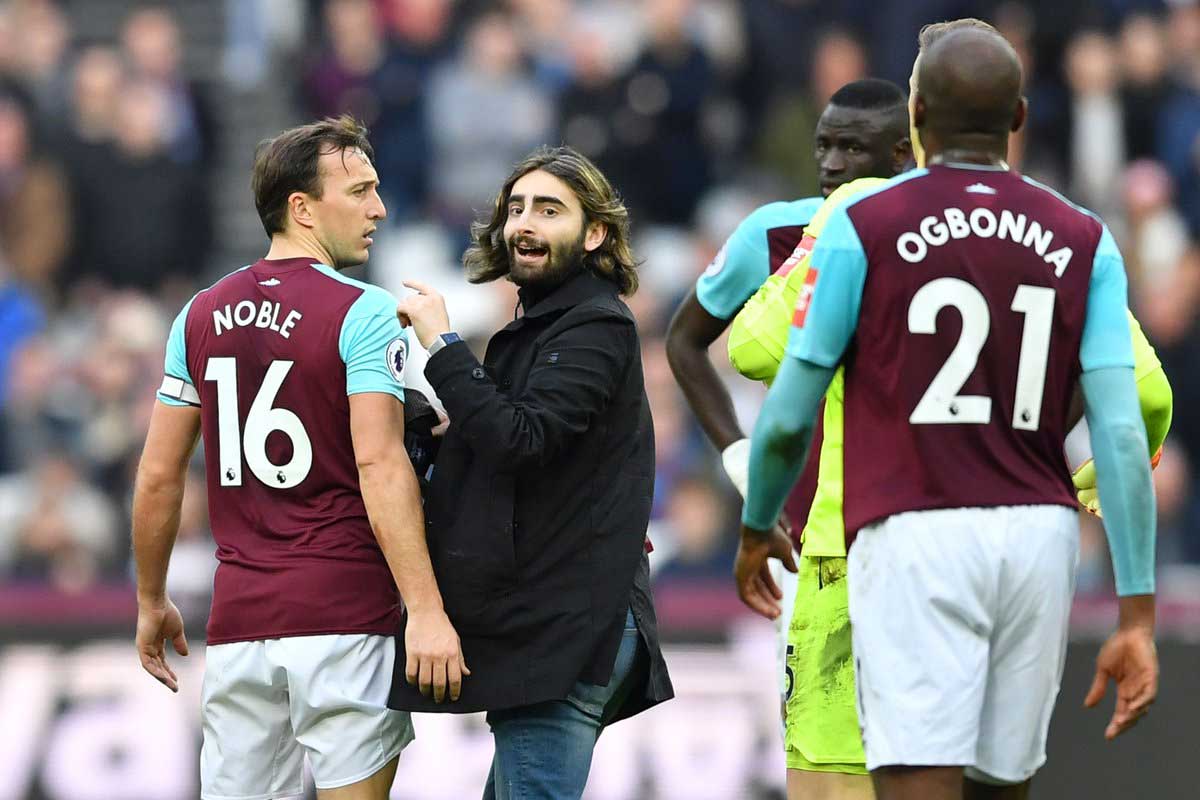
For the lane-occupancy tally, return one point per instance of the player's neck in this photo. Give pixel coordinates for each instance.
(283, 246)
(992, 155)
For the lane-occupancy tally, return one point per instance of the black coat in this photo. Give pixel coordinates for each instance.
(539, 501)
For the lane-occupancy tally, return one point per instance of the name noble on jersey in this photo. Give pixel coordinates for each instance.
(913, 246)
(246, 312)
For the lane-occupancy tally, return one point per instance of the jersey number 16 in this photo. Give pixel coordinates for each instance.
(260, 422)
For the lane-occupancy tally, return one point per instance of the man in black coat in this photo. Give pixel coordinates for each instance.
(540, 495)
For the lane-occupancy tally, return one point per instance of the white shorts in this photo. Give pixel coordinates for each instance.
(788, 582)
(959, 632)
(267, 704)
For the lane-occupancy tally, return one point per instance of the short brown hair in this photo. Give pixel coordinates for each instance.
(289, 163)
(487, 257)
(936, 30)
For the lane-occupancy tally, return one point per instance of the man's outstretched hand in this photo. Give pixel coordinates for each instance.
(756, 588)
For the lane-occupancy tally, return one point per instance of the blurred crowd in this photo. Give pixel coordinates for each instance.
(114, 160)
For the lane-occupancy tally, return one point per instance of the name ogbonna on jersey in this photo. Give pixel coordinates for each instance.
(248, 312)
(954, 223)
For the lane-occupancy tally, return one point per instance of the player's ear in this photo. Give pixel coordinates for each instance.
(300, 210)
(902, 155)
(595, 235)
(918, 111)
(1020, 115)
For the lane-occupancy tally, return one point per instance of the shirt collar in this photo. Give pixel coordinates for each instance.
(583, 286)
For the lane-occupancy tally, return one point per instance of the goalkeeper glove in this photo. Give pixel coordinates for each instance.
(1085, 484)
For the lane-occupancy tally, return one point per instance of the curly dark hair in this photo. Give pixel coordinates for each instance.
(487, 257)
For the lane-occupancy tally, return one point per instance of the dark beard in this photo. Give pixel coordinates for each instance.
(560, 265)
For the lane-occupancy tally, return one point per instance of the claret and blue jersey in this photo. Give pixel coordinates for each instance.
(756, 249)
(964, 302)
(271, 354)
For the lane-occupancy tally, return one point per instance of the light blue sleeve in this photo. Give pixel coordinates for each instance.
(827, 314)
(178, 388)
(1106, 339)
(373, 345)
(1123, 477)
(744, 262)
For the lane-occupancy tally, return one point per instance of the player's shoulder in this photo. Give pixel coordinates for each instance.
(838, 198)
(779, 214)
(864, 189)
(1068, 207)
(215, 291)
(367, 298)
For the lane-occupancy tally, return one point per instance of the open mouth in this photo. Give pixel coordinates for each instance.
(530, 251)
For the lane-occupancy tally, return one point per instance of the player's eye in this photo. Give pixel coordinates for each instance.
(514, 211)
(550, 211)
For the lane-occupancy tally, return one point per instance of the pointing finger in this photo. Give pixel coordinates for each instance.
(420, 288)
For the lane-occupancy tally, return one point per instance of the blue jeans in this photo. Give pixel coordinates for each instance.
(544, 751)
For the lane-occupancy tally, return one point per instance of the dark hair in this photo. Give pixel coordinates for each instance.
(289, 163)
(936, 30)
(869, 94)
(487, 257)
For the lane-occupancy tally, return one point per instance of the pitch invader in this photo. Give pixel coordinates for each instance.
(966, 303)
(293, 374)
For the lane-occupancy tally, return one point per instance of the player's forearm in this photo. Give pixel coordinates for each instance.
(781, 438)
(393, 500)
(703, 389)
(157, 500)
(1123, 476)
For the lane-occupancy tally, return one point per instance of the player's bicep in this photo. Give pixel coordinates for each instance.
(376, 428)
(174, 431)
(828, 302)
(1106, 335)
(694, 325)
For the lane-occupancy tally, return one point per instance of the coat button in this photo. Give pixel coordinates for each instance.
(478, 373)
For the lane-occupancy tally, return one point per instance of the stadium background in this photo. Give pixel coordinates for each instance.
(125, 144)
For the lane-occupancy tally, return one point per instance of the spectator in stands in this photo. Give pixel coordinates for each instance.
(667, 89)
(485, 113)
(1096, 135)
(1142, 49)
(151, 42)
(35, 217)
(161, 229)
(43, 35)
(694, 539)
(383, 83)
(21, 317)
(1179, 134)
(786, 143)
(593, 115)
(54, 526)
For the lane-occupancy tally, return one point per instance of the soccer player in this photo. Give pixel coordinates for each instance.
(862, 132)
(294, 376)
(965, 302)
